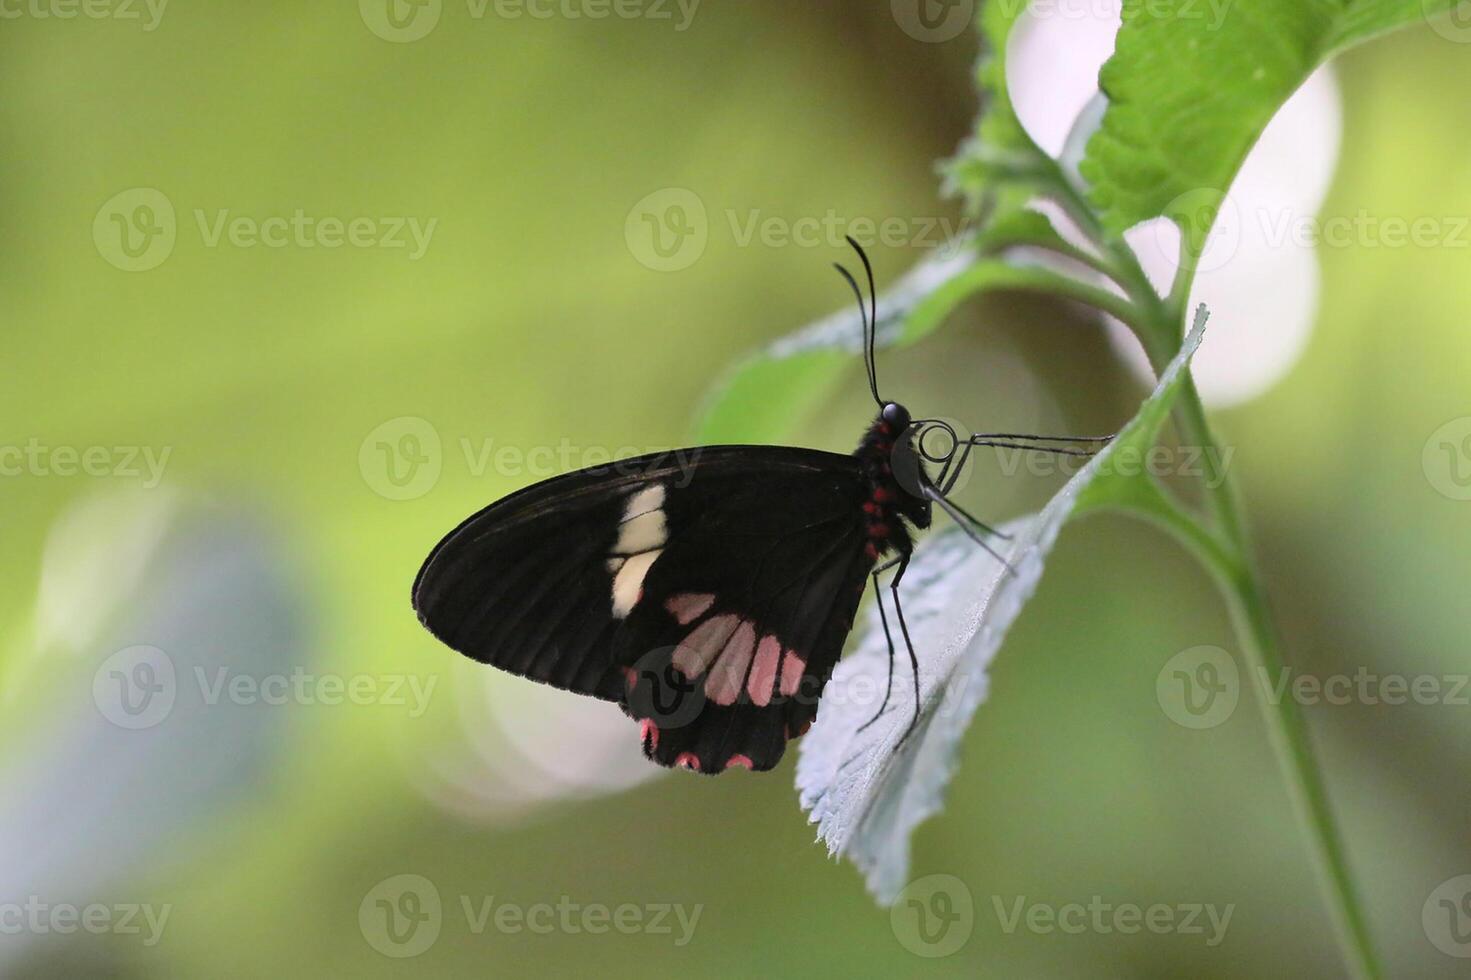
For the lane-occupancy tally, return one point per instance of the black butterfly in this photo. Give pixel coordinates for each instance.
(707, 591)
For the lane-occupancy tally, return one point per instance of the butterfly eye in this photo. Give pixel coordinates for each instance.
(897, 416)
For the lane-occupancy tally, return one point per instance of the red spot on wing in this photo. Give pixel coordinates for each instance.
(689, 606)
(723, 685)
(763, 671)
(792, 667)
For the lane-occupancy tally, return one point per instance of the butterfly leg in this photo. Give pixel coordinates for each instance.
(908, 644)
(964, 522)
(878, 597)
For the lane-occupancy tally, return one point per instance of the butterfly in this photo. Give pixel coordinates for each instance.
(707, 591)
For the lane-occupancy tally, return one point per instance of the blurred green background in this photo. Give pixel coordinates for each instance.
(529, 321)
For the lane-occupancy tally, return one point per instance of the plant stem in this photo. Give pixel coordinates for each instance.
(1241, 586)
(1290, 740)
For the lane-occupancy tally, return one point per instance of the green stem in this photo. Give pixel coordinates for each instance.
(1228, 553)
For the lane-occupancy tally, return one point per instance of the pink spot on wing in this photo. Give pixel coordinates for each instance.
(687, 760)
(649, 735)
(791, 672)
(740, 760)
(689, 606)
(729, 673)
(630, 675)
(763, 671)
(695, 652)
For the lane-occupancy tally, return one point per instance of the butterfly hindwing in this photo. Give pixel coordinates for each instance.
(583, 580)
(742, 618)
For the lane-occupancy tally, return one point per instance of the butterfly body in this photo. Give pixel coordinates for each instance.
(708, 592)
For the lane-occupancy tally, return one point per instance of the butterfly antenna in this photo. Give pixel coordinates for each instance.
(873, 320)
(868, 331)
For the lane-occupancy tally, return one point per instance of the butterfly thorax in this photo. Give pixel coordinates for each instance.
(889, 504)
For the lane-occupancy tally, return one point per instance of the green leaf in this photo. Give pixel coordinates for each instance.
(1191, 86)
(989, 163)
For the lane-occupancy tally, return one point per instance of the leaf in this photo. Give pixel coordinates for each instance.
(864, 791)
(1000, 149)
(1191, 86)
